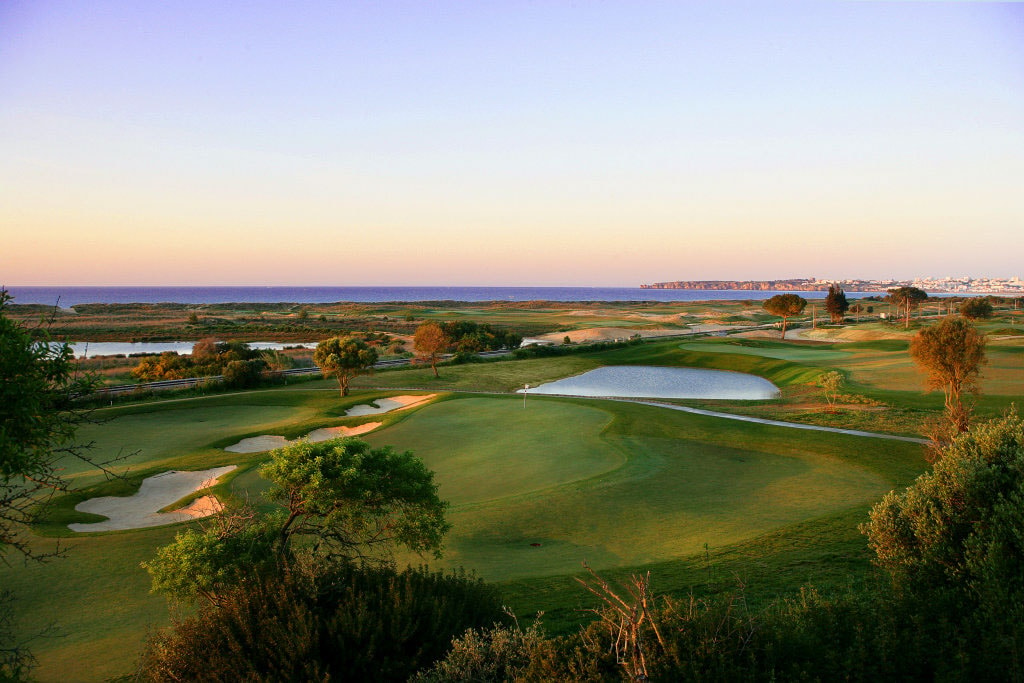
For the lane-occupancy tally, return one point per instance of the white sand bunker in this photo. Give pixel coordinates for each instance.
(386, 405)
(268, 442)
(140, 510)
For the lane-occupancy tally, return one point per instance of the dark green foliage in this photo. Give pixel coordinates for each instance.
(209, 562)
(836, 303)
(343, 499)
(976, 308)
(350, 498)
(785, 306)
(472, 337)
(344, 358)
(240, 374)
(209, 358)
(38, 418)
(958, 531)
(341, 623)
(546, 351)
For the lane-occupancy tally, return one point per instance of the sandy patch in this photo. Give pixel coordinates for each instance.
(386, 405)
(328, 433)
(258, 444)
(598, 334)
(269, 442)
(140, 510)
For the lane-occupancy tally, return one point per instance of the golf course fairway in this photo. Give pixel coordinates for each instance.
(534, 492)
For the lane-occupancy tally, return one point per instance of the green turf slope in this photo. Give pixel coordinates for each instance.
(619, 484)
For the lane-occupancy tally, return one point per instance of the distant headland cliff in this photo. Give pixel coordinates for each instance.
(952, 285)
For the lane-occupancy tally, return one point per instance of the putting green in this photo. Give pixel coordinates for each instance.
(616, 484)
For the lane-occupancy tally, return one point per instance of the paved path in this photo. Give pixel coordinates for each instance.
(779, 423)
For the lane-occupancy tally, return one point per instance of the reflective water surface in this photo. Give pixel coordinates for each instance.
(644, 381)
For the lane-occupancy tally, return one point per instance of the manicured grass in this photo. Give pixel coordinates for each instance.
(622, 486)
(653, 485)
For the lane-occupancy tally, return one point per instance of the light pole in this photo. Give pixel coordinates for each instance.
(524, 395)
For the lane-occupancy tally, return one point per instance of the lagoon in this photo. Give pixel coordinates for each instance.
(644, 381)
(184, 348)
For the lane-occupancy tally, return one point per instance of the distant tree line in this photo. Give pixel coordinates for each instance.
(239, 364)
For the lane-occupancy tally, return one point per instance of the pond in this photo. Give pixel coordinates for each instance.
(92, 349)
(644, 381)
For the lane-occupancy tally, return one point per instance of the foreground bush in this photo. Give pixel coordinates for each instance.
(340, 623)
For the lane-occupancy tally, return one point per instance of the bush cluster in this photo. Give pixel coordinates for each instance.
(338, 622)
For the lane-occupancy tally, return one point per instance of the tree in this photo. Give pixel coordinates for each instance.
(344, 499)
(952, 353)
(831, 383)
(785, 306)
(350, 498)
(207, 563)
(430, 342)
(836, 303)
(907, 299)
(976, 308)
(38, 420)
(344, 358)
(957, 531)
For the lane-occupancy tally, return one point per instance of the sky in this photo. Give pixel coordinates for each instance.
(604, 142)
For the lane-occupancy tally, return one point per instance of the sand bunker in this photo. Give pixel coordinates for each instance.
(599, 334)
(386, 405)
(140, 510)
(268, 442)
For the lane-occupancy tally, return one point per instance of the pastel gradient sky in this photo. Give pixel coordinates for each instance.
(508, 143)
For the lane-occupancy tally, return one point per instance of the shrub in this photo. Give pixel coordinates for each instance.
(339, 623)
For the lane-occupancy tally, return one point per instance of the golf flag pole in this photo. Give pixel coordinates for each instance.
(524, 395)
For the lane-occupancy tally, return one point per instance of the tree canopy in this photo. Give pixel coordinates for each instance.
(836, 303)
(38, 420)
(344, 499)
(344, 358)
(951, 353)
(958, 530)
(785, 306)
(430, 342)
(907, 299)
(976, 309)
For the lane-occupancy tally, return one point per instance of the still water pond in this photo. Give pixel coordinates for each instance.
(92, 349)
(643, 381)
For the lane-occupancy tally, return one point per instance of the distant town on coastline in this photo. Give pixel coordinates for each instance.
(965, 285)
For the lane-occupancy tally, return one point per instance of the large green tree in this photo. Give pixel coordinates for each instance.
(340, 500)
(907, 300)
(951, 353)
(785, 306)
(836, 303)
(977, 308)
(344, 358)
(957, 533)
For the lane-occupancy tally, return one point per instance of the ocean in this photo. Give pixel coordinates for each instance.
(71, 296)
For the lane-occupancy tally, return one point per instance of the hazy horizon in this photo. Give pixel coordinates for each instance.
(514, 144)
